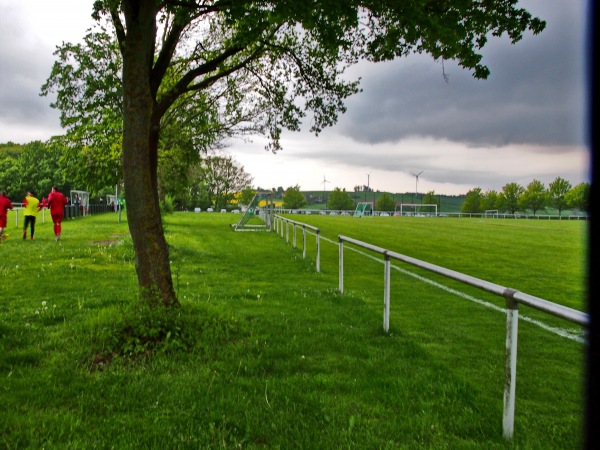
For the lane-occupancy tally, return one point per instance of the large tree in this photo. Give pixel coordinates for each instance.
(385, 203)
(510, 197)
(223, 177)
(340, 199)
(534, 197)
(473, 200)
(579, 197)
(291, 55)
(557, 191)
(293, 198)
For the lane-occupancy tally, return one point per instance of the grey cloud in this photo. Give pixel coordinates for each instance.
(534, 95)
(26, 63)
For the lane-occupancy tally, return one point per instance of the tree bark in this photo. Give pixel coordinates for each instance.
(140, 147)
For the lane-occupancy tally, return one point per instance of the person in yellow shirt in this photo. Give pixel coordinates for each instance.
(31, 206)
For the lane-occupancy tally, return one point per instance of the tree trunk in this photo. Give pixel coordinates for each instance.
(140, 146)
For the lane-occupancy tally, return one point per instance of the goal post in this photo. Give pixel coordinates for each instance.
(363, 209)
(258, 215)
(418, 209)
(491, 213)
(81, 200)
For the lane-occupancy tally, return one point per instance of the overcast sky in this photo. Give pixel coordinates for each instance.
(526, 121)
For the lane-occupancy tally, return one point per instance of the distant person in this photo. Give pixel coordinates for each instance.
(78, 204)
(5, 205)
(57, 202)
(31, 206)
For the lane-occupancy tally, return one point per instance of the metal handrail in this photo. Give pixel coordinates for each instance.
(279, 220)
(513, 299)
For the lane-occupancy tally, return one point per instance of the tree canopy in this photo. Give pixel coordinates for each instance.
(261, 64)
(293, 198)
(385, 203)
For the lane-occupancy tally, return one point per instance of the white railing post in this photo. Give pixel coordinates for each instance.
(318, 250)
(287, 232)
(294, 225)
(304, 241)
(510, 368)
(341, 265)
(386, 292)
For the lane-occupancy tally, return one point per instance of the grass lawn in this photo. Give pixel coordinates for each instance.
(265, 353)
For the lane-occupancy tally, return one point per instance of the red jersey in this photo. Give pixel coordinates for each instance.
(57, 203)
(5, 205)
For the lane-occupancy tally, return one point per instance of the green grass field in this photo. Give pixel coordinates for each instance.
(265, 352)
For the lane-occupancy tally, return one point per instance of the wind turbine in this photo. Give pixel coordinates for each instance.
(416, 175)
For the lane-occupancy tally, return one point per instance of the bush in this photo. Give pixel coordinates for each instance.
(167, 206)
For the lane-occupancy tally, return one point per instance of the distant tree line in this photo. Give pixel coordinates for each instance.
(560, 195)
(341, 200)
(536, 197)
(185, 181)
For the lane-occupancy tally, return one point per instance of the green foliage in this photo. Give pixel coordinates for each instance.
(535, 197)
(510, 197)
(579, 197)
(385, 203)
(490, 201)
(222, 177)
(473, 200)
(293, 198)
(246, 196)
(557, 192)
(339, 199)
(31, 166)
(167, 205)
(431, 199)
(9, 169)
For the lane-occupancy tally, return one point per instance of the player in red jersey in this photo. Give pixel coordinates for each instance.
(5, 205)
(57, 203)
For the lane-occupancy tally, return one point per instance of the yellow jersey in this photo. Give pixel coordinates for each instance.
(31, 206)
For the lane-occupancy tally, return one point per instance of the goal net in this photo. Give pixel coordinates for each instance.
(418, 209)
(491, 213)
(363, 209)
(80, 199)
(258, 215)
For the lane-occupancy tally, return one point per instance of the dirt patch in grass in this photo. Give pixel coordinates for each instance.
(103, 243)
(115, 240)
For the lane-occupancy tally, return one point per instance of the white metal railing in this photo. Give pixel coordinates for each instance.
(513, 298)
(282, 224)
(504, 215)
(18, 208)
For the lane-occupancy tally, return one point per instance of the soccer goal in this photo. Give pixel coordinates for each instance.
(419, 209)
(111, 200)
(491, 213)
(258, 215)
(80, 199)
(363, 209)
